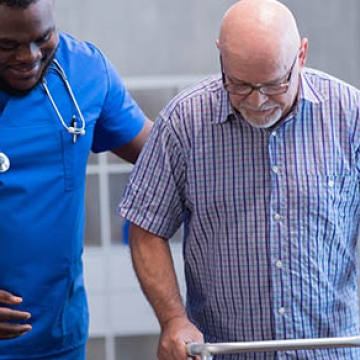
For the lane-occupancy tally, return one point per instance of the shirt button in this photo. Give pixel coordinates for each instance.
(281, 311)
(274, 133)
(278, 264)
(331, 183)
(277, 217)
(275, 169)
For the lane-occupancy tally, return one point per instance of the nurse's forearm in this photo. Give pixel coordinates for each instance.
(154, 267)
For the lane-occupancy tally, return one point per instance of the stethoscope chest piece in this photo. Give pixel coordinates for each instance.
(4, 163)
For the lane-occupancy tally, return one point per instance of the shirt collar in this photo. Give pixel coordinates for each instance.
(308, 90)
(226, 111)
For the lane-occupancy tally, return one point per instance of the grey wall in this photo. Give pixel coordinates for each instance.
(165, 37)
(332, 27)
(149, 37)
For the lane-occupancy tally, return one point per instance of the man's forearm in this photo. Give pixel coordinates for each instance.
(153, 264)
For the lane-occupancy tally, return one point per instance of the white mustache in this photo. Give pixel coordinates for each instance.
(261, 108)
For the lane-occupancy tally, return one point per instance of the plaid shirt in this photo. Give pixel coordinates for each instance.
(270, 216)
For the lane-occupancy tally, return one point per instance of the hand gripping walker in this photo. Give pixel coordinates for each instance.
(206, 351)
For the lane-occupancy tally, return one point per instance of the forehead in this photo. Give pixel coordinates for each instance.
(20, 24)
(256, 69)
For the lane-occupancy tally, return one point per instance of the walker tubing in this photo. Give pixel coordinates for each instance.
(196, 349)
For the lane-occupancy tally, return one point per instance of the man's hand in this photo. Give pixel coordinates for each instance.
(9, 330)
(154, 267)
(178, 332)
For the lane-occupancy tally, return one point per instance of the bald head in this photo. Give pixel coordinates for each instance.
(254, 30)
(260, 46)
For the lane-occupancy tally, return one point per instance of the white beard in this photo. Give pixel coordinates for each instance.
(259, 118)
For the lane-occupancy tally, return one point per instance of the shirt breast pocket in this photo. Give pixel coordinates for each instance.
(343, 194)
(75, 151)
(332, 196)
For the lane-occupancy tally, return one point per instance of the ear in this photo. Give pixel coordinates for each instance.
(217, 44)
(303, 50)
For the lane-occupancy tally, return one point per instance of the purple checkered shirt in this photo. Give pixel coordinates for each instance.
(270, 216)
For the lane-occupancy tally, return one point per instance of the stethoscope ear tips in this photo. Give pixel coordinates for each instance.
(4, 163)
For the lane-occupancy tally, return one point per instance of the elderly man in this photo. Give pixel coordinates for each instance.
(261, 165)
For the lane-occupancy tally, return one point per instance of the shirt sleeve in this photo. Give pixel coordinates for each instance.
(121, 118)
(154, 198)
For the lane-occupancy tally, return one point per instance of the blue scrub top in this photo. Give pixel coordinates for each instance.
(42, 194)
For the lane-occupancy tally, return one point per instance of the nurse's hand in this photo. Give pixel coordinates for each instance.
(9, 330)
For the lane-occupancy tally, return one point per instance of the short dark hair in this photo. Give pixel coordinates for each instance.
(18, 3)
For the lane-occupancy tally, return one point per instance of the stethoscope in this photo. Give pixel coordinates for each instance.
(74, 130)
(4, 163)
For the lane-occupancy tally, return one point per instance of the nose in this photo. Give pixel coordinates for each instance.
(28, 53)
(255, 99)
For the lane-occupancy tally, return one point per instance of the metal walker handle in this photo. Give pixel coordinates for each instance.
(206, 351)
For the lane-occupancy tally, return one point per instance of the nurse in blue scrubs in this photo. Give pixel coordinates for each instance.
(59, 100)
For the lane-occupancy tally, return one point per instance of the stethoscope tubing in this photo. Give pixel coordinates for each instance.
(73, 129)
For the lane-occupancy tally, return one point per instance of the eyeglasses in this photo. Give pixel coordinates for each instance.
(244, 88)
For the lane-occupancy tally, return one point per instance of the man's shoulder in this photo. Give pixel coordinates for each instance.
(69, 45)
(318, 76)
(203, 85)
(206, 99)
(324, 86)
(83, 61)
(199, 90)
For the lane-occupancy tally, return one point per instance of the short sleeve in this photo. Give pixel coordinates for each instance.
(121, 118)
(154, 198)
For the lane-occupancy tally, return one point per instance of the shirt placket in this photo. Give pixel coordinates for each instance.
(279, 244)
